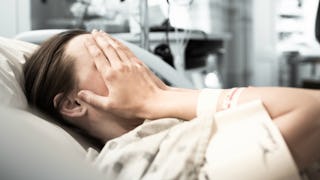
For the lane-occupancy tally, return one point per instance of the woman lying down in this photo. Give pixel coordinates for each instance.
(95, 83)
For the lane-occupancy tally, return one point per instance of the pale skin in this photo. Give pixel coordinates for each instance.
(116, 92)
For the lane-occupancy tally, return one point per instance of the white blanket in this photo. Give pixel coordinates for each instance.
(172, 149)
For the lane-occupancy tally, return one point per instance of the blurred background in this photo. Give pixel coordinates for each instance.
(214, 43)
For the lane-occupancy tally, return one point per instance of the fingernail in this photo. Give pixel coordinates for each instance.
(101, 30)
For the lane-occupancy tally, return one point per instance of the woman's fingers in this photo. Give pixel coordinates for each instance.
(101, 62)
(89, 97)
(107, 48)
(119, 48)
(127, 56)
(130, 55)
(123, 51)
(158, 81)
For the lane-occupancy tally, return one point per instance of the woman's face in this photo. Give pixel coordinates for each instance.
(104, 125)
(87, 75)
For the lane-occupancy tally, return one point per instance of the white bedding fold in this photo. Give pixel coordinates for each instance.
(172, 149)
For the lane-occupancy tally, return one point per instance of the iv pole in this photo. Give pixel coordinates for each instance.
(144, 24)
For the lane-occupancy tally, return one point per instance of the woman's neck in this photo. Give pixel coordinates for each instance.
(113, 127)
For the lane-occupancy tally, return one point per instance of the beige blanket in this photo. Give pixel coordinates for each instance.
(240, 143)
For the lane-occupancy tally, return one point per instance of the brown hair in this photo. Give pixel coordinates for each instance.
(49, 71)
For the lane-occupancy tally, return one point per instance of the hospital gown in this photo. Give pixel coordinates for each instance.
(174, 149)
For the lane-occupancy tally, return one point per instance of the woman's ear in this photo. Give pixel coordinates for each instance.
(70, 106)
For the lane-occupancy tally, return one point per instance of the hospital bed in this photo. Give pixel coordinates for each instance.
(33, 146)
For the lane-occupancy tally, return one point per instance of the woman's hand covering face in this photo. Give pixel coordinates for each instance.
(132, 86)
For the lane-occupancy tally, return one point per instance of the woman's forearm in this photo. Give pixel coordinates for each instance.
(182, 103)
(174, 102)
(296, 112)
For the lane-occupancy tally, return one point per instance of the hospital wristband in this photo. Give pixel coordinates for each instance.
(208, 101)
(231, 98)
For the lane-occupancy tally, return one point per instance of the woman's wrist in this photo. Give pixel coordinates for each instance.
(174, 103)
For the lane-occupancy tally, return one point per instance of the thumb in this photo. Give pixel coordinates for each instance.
(89, 97)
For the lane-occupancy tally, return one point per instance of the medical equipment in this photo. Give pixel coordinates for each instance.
(302, 62)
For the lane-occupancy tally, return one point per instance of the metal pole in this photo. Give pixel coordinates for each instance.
(144, 23)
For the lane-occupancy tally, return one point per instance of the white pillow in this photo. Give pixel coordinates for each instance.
(13, 55)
